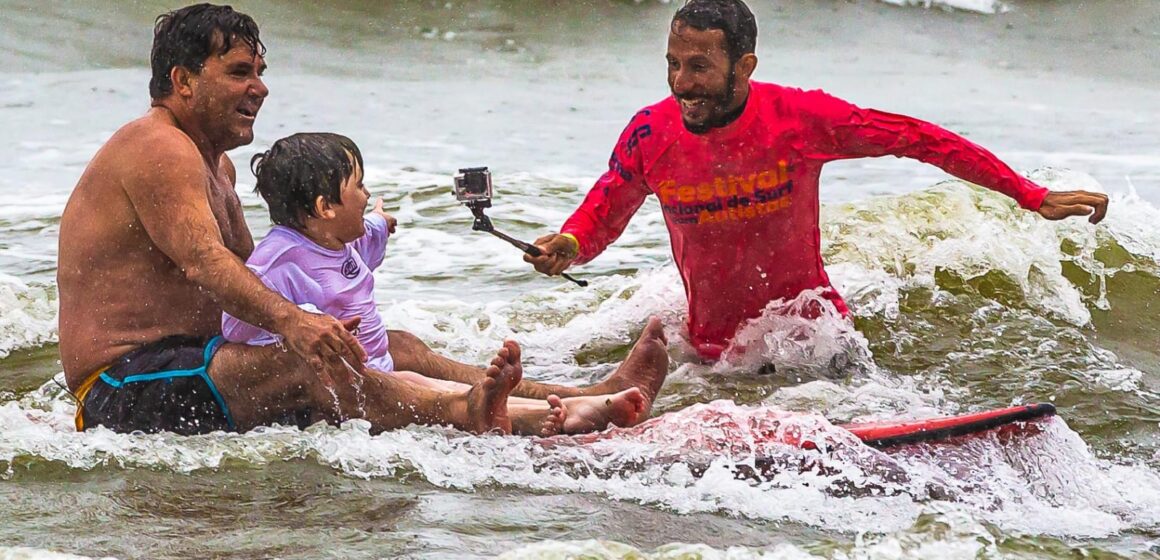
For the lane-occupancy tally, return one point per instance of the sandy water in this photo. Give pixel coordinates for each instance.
(961, 301)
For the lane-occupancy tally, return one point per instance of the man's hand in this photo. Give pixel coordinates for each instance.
(325, 344)
(558, 253)
(378, 209)
(1060, 205)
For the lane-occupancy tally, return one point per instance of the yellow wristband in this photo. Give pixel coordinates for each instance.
(575, 244)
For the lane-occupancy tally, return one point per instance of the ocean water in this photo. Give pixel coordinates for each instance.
(960, 301)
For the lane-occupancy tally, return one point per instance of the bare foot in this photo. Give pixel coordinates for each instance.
(537, 418)
(553, 423)
(595, 413)
(487, 401)
(508, 356)
(645, 367)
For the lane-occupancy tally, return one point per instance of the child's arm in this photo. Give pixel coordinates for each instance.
(373, 245)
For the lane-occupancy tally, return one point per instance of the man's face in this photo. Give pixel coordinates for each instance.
(228, 95)
(700, 75)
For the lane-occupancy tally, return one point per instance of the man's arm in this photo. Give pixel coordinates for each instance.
(605, 212)
(841, 130)
(168, 186)
(237, 330)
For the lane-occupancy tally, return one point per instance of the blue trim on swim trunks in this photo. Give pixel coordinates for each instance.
(211, 348)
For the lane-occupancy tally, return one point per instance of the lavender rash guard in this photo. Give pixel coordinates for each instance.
(339, 283)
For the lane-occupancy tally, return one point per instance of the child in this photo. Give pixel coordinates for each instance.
(321, 253)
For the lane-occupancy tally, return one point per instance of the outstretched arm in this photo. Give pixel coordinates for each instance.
(841, 130)
(169, 191)
(605, 212)
(379, 227)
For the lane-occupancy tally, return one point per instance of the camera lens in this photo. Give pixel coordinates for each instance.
(475, 183)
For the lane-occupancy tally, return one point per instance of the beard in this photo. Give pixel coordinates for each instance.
(718, 105)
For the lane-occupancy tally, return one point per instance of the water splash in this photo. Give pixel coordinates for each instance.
(719, 457)
(790, 337)
(27, 315)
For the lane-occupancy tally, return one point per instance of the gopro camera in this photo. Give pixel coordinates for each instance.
(473, 185)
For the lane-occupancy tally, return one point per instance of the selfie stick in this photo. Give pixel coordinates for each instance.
(483, 223)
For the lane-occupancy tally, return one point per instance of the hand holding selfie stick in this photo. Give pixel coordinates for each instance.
(473, 188)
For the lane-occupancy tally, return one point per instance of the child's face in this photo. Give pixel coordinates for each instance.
(348, 219)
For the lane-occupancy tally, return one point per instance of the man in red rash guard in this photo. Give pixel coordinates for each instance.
(735, 164)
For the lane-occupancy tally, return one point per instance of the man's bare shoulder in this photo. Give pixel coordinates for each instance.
(147, 152)
(145, 144)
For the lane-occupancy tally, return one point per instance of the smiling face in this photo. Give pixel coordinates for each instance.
(226, 95)
(706, 84)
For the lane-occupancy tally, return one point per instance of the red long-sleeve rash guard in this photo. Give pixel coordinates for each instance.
(741, 202)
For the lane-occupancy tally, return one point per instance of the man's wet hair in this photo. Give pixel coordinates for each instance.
(730, 16)
(187, 37)
(298, 169)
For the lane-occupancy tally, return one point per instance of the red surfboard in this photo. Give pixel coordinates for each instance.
(898, 432)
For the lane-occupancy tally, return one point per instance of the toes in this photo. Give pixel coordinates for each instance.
(554, 423)
(655, 328)
(514, 351)
(654, 323)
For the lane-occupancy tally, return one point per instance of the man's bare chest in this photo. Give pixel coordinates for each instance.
(227, 211)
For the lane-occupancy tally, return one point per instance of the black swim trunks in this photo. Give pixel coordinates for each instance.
(162, 386)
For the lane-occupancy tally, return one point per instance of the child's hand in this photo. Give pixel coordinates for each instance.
(378, 209)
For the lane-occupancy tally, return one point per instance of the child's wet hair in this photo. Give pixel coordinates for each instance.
(298, 169)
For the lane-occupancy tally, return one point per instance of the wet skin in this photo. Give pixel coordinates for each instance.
(708, 86)
(153, 243)
(120, 285)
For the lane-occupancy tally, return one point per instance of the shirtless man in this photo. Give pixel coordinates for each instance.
(152, 243)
